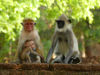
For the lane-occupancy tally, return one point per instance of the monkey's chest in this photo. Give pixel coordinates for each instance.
(28, 36)
(62, 45)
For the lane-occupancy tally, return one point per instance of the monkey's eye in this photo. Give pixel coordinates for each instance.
(29, 23)
(69, 21)
(60, 22)
(21, 23)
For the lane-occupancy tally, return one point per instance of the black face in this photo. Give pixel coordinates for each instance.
(60, 23)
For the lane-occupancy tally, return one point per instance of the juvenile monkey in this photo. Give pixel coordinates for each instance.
(64, 43)
(29, 33)
(29, 53)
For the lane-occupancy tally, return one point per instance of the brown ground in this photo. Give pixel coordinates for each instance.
(91, 60)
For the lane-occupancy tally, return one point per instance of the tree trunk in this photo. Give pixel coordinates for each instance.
(83, 45)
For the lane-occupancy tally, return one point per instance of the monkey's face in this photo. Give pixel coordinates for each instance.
(63, 23)
(30, 44)
(60, 23)
(28, 26)
(61, 26)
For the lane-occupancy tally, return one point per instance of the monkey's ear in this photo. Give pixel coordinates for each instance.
(57, 20)
(69, 21)
(34, 23)
(21, 23)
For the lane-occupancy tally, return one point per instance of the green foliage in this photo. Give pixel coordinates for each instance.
(12, 12)
(44, 12)
(75, 9)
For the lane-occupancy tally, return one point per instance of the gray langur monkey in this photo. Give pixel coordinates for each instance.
(64, 43)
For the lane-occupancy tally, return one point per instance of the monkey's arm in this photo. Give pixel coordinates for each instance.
(19, 48)
(37, 53)
(24, 53)
(72, 44)
(54, 42)
(39, 44)
(21, 41)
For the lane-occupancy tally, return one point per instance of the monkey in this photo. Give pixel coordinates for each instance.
(26, 58)
(29, 33)
(64, 43)
(29, 53)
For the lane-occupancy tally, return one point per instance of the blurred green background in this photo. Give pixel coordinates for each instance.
(85, 16)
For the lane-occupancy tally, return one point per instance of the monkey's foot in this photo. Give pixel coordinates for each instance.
(57, 61)
(74, 60)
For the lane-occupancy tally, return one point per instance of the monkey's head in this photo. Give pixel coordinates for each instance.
(28, 24)
(62, 23)
(31, 44)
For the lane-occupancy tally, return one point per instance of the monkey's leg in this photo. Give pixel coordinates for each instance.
(28, 59)
(72, 44)
(38, 59)
(59, 58)
(72, 58)
(75, 59)
(68, 56)
(49, 56)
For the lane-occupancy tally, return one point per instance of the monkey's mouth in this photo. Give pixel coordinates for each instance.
(60, 26)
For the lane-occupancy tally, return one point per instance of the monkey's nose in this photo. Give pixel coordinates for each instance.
(60, 25)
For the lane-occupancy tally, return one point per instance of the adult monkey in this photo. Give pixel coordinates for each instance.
(29, 33)
(64, 44)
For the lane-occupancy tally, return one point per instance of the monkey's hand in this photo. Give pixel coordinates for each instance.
(25, 52)
(42, 58)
